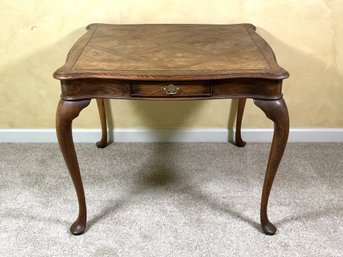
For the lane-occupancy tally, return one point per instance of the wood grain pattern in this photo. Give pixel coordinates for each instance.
(94, 88)
(169, 52)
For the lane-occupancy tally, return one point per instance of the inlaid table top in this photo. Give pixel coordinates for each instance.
(182, 51)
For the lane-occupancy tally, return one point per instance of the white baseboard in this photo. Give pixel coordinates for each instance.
(169, 135)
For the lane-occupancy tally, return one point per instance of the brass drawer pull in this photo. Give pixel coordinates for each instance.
(185, 89)
(170, 89)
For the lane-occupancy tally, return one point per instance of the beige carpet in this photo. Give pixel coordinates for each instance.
(175, 199)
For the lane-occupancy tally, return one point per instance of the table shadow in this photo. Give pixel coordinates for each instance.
(161, 173)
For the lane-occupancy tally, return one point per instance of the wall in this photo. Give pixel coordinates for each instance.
(307, 37)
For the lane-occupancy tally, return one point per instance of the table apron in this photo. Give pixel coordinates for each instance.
(220, 89)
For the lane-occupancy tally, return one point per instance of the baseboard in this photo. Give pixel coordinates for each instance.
(169, 135)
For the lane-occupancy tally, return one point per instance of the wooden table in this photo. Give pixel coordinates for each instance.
(171, 62)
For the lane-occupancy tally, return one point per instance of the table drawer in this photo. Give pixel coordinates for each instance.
(171, 89)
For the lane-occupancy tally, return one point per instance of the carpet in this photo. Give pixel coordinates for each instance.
(171, 199)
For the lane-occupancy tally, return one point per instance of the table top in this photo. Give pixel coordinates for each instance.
(170, 52)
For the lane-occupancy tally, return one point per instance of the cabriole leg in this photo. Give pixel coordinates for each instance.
(66, 112)
(102, 113)
(275, 110)
(241, 104)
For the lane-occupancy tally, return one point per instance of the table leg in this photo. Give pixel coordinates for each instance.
(102, 113)
(275, 110)
(241, 104)
(66, 112)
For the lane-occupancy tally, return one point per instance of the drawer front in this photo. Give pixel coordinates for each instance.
(171, 89)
